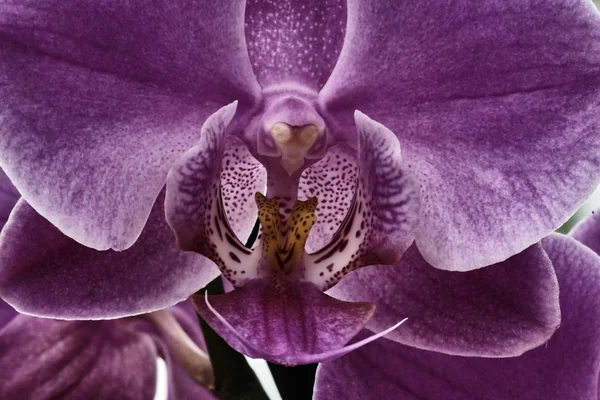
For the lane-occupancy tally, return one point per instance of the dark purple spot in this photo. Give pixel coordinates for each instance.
(234, 257)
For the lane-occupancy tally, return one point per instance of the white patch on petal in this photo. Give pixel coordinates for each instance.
(194, 203)
(380, 223)
(332, 181)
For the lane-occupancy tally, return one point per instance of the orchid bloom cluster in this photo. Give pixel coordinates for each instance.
(406, 157)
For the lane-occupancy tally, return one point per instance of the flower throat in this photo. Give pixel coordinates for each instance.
(283, 241)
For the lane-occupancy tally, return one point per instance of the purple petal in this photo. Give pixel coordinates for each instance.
(294, 41)
(496, 105)
(287, 326)
(566, 367)
(217, 172)
(588, 232)
(8, 198)
(98, 99)
(499, 311)
(44, 359)
(7, 313)
(380, 222)
(43, 272)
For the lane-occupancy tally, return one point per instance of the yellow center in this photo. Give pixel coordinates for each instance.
(283, 241)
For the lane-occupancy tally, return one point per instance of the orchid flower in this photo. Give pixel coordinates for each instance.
(45, 359)
(566, 367)
(352, 130)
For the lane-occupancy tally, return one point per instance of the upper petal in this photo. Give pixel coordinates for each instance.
(499, 311)
(43, 272)
(98, 99)
(496, 105)
(294, 41)
(48, 359)
(566, 367)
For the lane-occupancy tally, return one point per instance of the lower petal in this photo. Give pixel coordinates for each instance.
(499, 311)
(44, 273)
(286, 326)
(566, 367)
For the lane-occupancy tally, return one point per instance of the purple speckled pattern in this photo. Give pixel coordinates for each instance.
(566, 367)
(379, 225)
(294, 41)
(340, 166)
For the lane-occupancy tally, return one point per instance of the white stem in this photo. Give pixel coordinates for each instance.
(195, 361)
